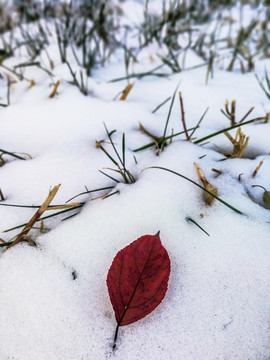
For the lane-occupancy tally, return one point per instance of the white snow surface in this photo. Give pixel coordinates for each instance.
(217, 306)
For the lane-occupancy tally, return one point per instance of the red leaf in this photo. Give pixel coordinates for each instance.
(138, 278)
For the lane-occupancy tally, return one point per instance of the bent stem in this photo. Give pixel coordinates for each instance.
(194, 222)
(260, 186)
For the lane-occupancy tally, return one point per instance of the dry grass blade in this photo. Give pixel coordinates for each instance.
(54, 90)
(64, 206)
(212, 189)
(32, 83)
(230, 113)
(240, 143)
(229, 128)
(144, 130)
(219, 172)
(126, 91)
(264, 88)
(257, 168)
(36, 216)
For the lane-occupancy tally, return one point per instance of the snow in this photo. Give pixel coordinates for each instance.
(53, 297)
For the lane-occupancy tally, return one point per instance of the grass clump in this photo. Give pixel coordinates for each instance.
(240, 142)
(119, 161)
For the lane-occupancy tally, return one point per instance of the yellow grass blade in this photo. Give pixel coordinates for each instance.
(36, 216)
(126, 91)
(209, 187)
(54, 90)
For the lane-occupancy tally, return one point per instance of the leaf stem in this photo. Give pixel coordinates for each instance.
(115, 336)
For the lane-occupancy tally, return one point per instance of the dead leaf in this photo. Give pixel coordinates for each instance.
(137, 280)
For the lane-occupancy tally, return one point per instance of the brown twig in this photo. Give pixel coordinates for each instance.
(217, 171)
(244, 117)
(183, 115)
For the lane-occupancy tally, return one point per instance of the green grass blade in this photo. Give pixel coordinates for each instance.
(227, 129)
(145, 146)
(109, 156)
(11, 154)
(194, 222)
(110, 177)
(29, 206)
(267, 80)
(123, 150)
(262, 86)
(170, 110)
(141, 75)
(201, 187)
(8, 243)
(199, 123)
(166, 138)
(107, 196)
(88, 192)
(223, 112)
(47, 217)
(114, 148)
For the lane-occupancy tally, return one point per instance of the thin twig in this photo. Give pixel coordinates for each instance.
(183, 115)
